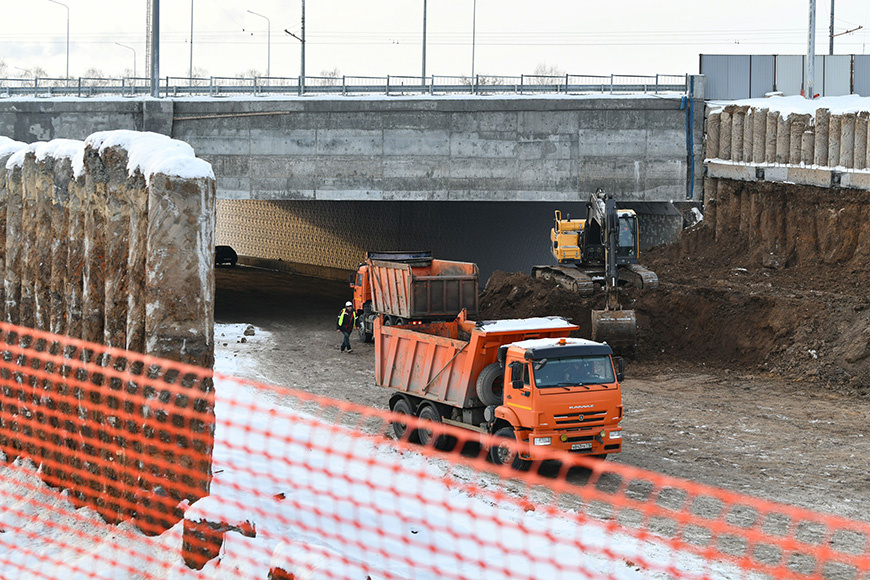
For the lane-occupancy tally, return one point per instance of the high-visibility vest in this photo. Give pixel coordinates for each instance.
(341, 317)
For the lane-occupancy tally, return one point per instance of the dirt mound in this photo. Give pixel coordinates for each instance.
(774, 281)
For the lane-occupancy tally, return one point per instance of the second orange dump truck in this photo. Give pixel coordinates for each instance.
(522, 379)
(400, 287)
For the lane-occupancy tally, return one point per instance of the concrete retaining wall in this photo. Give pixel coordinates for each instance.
(112, 241)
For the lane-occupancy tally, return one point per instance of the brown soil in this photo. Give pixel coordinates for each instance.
(792, 305)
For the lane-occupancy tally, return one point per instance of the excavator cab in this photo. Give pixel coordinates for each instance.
(602, 249)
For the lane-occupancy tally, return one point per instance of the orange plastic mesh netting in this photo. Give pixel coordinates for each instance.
(123, 466)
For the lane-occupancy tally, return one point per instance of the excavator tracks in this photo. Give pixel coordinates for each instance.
(639, 277)
(568, 277)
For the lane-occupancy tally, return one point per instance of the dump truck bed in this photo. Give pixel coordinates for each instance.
(439, 289)
(442, 360)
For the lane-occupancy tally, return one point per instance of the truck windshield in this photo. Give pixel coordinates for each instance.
(566, 372)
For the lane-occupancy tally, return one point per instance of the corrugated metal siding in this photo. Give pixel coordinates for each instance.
(862, 74)
(838, 70)
(789, 74)
(740, 76)
(761, 75)
(727, 76)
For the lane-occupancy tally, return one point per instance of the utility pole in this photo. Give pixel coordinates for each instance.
(301, 40)
(155, 48)
(473, 40)
(423, 77)
(831, 48)
(810, 80)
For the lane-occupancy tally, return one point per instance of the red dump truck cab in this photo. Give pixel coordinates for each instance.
(522, 379)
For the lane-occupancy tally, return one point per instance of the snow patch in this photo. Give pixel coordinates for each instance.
(9, 146)
(797, 105)
(523, 324)
(152, 153)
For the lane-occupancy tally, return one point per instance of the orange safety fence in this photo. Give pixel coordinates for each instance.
(118, 465)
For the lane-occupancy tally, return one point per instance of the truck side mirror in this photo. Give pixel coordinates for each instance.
(516, 375)
(353, 279)
(620, 369)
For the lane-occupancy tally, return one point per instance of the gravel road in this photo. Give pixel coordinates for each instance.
(779, 440)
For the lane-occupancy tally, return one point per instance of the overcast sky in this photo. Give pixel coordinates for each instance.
(380, 37)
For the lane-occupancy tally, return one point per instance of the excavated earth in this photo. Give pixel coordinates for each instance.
(753, 365)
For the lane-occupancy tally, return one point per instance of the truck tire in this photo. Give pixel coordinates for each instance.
(505, 454)
(441, 442)
(490, 385)
(403, 407)
(365, 330)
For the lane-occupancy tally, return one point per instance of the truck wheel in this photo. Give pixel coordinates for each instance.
(366, 323)
(403, 407)
(442, 442)
(490, 385)
(504, 454)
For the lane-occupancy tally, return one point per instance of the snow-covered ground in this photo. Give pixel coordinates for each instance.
(327, 501)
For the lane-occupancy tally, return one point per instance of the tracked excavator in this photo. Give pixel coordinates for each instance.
(602, 249)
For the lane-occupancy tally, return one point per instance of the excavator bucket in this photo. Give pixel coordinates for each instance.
(618, 328)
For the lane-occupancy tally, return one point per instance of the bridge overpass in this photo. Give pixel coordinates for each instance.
(311, 183)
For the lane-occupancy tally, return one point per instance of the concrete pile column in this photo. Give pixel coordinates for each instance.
(93, 237)
(807, 147)
(748, 134)
(759, 122)
(823, 126)
(40, 256)
(770, 137)
(738, 119)
(180, 255)
(725, 130)
(861, 131)
(29, 269)
(834, 133)
(117, 236)
(847, 140)
(12, 279)
(75, 274)
(9, 147)
(137, 201)
(798, 124)
(713, 128)
(783, 139)
(60, 255)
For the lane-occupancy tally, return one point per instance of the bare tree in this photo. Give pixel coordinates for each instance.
(546, 75)
(329, 77)
(4, 70)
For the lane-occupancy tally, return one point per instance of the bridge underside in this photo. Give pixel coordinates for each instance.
(329, 238)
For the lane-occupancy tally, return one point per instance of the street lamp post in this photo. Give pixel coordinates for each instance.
(191, 43)
(67, 35)
(134, 57)
(268, 43)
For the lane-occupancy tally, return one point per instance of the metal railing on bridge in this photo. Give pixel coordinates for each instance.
(217, 86)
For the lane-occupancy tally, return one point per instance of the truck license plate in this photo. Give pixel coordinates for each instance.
(576, 446)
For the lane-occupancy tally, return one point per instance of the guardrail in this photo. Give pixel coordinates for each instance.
(216, 86)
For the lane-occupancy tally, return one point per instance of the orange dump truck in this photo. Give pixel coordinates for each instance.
(400, 287)
(520, 379)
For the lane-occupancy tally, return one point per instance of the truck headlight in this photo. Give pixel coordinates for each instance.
(616, 434)
(541, 440)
